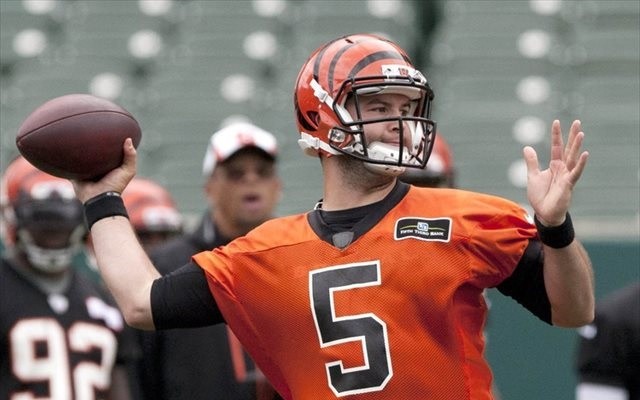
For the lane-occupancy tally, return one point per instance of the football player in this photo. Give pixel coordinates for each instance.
(60, 334)
(377, 292)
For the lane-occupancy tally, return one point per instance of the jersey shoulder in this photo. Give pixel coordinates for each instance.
(277, 232)
(460, 199)
(472, 209)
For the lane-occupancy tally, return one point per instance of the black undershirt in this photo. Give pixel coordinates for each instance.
(183, 299)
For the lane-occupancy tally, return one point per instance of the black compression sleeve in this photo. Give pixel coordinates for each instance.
(181, 299)
(526, 283)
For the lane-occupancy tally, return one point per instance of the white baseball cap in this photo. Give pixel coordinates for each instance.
(234, 137)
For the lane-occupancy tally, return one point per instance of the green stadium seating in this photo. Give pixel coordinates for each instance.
(591, 66)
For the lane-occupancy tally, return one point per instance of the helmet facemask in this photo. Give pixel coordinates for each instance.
(49, 232)
(414, 127)
(50, 261)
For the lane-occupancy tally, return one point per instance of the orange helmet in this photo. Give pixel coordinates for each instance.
(151, 208)
(41, 216)
(354, 66)
(439, 172)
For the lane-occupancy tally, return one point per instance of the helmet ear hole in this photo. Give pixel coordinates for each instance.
(315, 117)
(304, 120)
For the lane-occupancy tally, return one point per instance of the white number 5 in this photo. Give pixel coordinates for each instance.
(368, 329)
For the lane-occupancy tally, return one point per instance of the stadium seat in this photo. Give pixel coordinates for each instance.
(598, 52)
(605, 14)
(326, 20)
(496, 17)
(587, 51)
(609, 97)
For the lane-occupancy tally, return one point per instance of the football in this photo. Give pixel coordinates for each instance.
(77, 136)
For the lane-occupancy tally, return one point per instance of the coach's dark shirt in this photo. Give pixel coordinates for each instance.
(194, 363)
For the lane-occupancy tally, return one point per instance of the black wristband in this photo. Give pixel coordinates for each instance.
(556, 236)
(108, 204)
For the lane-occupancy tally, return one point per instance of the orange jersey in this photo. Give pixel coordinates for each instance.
(396, 314)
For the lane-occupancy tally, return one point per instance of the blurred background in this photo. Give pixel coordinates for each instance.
(501, 70)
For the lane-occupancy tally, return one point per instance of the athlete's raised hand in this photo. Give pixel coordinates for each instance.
(549, 191)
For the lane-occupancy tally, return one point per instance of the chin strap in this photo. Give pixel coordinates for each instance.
(311, 145)
(391, 170)
(320, 93)
(385, 152)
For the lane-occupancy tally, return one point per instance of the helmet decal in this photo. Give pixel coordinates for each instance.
(151, 207)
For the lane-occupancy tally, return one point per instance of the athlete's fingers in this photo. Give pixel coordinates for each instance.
(531, 160)
(557, 143)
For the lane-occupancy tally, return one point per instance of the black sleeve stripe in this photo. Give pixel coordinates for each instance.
(181, 299)
(526, 283)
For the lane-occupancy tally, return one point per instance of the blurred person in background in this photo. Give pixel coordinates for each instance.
(242, 189)
(62, 336)
(608, 352)
(152, 211)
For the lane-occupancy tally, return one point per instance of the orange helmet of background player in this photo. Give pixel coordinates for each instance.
(440, 170)
(151, 208)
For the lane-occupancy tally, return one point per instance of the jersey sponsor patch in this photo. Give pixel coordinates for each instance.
(438, 229)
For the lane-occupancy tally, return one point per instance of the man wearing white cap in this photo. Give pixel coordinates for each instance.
(242, 189)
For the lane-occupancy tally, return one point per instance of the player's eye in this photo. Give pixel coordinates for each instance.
(378, 109)
(234, 174)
